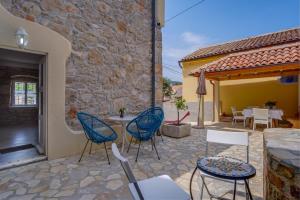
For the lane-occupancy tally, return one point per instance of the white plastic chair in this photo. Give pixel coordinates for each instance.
(261, 116)
(156, 188)
(224, 137)
(237, 116)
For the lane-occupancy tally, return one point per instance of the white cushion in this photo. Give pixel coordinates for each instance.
(159, 188)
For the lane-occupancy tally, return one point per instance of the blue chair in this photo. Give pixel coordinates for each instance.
(143, 128)
(159, 112)
(96, 131)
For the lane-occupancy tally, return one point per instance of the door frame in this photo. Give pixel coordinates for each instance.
(43, 148)
(45, 82)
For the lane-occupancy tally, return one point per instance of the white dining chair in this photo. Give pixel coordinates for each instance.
(261, 116)
(237, 116)
(228, 138)
(155, 188)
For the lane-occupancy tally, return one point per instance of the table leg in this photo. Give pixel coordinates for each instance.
(191, 182)
(248, 189)
(251, 123)
(234, 190)
(123, 136)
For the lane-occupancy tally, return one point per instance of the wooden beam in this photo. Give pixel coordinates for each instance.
(257, 70)
(253, 75)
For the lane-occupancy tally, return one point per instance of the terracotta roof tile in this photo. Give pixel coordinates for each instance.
(278, 38)
(281, 54)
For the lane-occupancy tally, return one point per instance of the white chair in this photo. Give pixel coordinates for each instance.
(237, 116)
(224, 137)
(261, 116)
(156, 188)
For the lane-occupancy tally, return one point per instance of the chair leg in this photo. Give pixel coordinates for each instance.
(161, 136)
(83, 150)
(254, 125)
(202, 187)
(91, 148)
(106, 153)
(138, 151)
(129, 144)
(208, 192)
(155, 149)
(246, 192)
(234, 190)
(248, 189)
(192, 181)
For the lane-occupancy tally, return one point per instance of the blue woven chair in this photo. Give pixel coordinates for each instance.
(96, 131)
(143, 128)
(159, 112)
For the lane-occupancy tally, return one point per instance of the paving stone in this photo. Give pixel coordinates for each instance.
(88, 197)
(114, 184)
(33, 183)
(55, 184)
(113, 176)
(65, 193)
(87, 181)
(49, 193)
(5, 195)
(21, 191)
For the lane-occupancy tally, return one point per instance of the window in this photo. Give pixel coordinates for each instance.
(24, 94)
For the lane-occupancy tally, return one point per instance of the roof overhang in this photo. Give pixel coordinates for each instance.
(258, 72)
(282, 60)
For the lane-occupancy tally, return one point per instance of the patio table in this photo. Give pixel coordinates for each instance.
(226, 168)
(274, 114)
(124, 121)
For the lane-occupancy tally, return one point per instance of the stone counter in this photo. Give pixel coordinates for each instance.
(281, 164)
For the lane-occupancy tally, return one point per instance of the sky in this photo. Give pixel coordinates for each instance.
(219, 21)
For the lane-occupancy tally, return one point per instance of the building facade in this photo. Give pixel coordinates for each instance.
(98, 57)
(274, 50)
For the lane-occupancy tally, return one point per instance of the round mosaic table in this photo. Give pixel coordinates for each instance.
(226, 168)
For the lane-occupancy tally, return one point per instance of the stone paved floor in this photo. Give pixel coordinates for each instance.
(93, 178)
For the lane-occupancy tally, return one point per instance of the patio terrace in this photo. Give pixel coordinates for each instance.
(93, 178)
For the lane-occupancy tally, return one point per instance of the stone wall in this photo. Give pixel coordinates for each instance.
(110, 63)
(11, 115)
(281, 164)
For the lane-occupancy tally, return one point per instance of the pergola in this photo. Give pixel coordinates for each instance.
(281, 60)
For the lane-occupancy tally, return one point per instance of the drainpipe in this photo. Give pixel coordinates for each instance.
(213, 84)
(153, 53)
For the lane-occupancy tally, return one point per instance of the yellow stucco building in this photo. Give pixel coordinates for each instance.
(247, 73)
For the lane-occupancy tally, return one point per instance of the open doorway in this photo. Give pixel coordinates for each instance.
(22, 106)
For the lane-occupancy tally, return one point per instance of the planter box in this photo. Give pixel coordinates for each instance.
(176, 131)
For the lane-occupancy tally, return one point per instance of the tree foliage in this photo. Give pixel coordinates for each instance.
(180, 104)
(167, 88)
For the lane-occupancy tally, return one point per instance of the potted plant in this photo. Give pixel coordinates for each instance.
(178, 129)
(270, 104)
(122, 112)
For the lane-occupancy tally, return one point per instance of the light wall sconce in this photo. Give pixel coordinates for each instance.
(22, 37)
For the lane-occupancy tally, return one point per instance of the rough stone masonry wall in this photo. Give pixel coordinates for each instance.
(110, 63)
(281, 164)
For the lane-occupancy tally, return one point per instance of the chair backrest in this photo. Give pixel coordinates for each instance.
(90, 124)
(233, 110)
(158, 111)
(262, 114)
(126, 167)
(228, 137)
(148, 122)
(144, 126)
